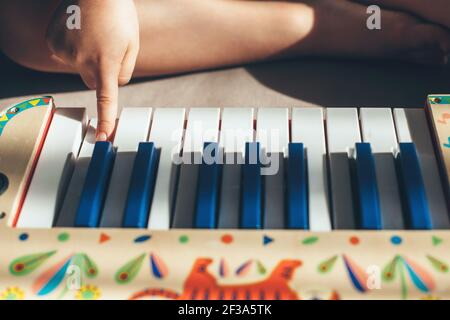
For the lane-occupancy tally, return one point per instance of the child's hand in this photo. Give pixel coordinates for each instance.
(103, 51)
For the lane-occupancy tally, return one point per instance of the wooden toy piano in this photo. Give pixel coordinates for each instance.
(356, 208)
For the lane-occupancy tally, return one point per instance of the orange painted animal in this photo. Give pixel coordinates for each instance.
(201, 284)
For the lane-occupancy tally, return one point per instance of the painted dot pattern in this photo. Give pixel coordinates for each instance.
(64, 236)
(354, 240)
(23, 236)
(227, 238)
(183, 239)
(396, 240)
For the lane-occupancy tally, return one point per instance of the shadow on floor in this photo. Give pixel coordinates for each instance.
(353, 83)
(324, 82)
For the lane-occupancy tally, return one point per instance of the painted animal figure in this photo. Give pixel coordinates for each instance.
(201, 284)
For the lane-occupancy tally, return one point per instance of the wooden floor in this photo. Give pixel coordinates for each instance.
(304, 82)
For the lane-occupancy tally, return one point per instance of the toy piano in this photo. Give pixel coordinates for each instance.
(269, 203)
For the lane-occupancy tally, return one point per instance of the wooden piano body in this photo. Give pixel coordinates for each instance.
(113, 263)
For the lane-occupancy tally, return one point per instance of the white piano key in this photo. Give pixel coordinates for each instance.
(202, 126)
(133, 127)
(54, 167)
(272, 131)
(378, 129)
(167, 134)
(412, 125)
(236, 130)
(308, 128)
(342, 130)
(401, 124)
(342, 135)
(377, 126)
(67, 214)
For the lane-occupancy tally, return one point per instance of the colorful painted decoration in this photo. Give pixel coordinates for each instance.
(50, 279)
(88, 266)
(389, 271)
(439, 99)
(142, 238)
(130, 270)
(436, 240)
(310, 240)
(13, 111)
(267, 240)
(12, 293)
(201, 284)
(224, 270)
(244, 268)
(420, 278)
(327, 265)
(357, 275)
(88, 292)
(158, 266)
(260, 267)
(438, 265)
(103, 238)
(27, 264)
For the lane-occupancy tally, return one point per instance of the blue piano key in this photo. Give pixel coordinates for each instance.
(95, 185)
(142, 184)
(366, 181)
(413, 189)
(297, 195)
(208, 188)
(251, 188)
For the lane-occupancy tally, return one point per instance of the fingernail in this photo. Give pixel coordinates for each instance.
(101, 136)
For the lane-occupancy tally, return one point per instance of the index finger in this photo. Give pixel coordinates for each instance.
(107, 96)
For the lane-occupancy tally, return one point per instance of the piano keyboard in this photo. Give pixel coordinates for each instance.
(242, 203)
(270, 168)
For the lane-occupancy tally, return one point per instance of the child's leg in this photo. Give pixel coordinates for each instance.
(178, 36)
(437, 11)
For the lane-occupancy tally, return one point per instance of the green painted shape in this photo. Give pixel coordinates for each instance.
(437, 264)
(327, 265)
(310, 240)
(404, 286)
(130, 270)
(260, 267)
(390, 270)
(26, 264)
(443, 99)
(436, 240)
(88, 266)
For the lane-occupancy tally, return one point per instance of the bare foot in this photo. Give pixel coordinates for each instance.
(340, 29)
(436, 11)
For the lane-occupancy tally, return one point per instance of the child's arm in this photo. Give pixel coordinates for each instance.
(103, 51)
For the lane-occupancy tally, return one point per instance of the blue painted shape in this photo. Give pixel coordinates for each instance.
(413, 188)
(251, 195)
(142, 185)
(95, 185)
(55, 280)
(297, 188)
(142, 238)
(368, 197)
(208, 188)
(358, 286)
(267, 240)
